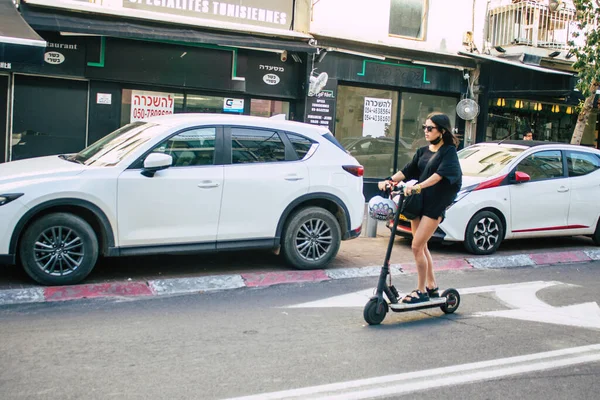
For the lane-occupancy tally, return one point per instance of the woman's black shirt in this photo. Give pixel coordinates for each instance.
(445, 163)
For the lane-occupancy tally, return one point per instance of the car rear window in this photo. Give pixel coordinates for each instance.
(301, 144)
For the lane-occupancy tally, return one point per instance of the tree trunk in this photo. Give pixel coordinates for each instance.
(582, 119)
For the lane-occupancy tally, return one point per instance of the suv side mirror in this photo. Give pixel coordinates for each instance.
(156, 162)
(521, 177)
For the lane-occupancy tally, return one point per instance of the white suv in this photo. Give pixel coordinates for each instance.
(182, 183)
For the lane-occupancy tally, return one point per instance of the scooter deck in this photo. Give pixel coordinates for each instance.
(433, 302)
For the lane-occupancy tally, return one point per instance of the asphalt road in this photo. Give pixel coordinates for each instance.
(253, 341)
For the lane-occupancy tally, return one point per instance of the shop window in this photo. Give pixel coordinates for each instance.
(139, 105)
(543, 165)
(512, 118)
(580, 163)
(301, 144)
(366, 127)
(256, 146)
(408, 18)
(191, 148)
(413, 112)
(268, 108)
(204, 104)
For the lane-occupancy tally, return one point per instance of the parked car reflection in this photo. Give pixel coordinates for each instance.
(376, 154)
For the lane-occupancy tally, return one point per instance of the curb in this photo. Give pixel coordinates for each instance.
(175, 286)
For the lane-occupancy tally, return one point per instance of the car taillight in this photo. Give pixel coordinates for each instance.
(356, 170)
(492, 183)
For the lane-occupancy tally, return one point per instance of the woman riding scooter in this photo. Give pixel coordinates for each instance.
(439, 176)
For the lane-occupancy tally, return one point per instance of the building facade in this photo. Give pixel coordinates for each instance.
(386, 65)
(107, 63)
(527, 82)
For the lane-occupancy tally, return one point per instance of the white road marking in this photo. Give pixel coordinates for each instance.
(439, 377)
(360, 298)
(521, 297)
(528, 307)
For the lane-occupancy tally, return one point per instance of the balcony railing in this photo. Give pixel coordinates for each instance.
(532, 23)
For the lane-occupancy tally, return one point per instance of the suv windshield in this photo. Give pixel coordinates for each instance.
(486, 160)
(111, 149)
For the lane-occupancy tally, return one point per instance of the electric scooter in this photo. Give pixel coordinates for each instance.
(377, 307)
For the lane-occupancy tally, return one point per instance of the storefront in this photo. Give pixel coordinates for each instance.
(90, 84)
(518, 98)
(18, 43)
(376, 108)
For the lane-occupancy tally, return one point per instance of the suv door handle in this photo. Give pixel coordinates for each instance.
(563, 189)
(208, 184)
(293, 177)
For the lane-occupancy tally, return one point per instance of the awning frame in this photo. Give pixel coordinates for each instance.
(514, 64)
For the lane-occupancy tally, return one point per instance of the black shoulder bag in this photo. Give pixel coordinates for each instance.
(412, 206)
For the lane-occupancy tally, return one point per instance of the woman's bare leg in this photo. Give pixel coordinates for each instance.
(423, 230)
(430, 277)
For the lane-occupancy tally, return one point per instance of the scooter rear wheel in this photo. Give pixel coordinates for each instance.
(452, 301)
(370, 312)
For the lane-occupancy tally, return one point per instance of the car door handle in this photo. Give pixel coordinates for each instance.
(208, 185)
(563, 189)
(293, 178)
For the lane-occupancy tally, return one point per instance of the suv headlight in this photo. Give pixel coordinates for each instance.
(7, 198)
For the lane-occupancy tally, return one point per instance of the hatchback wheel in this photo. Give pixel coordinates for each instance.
(311, 238)
(484, 233)
(59, 249)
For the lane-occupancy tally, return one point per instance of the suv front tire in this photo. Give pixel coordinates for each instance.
(58, 249)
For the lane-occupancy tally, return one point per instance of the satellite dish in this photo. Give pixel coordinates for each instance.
(467, 109)
(317, 83)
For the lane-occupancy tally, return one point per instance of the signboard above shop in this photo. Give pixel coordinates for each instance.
(263, 13)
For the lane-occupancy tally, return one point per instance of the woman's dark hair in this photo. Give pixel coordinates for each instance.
(443, 124)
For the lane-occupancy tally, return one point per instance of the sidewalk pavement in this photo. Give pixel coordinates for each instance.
(361, 257)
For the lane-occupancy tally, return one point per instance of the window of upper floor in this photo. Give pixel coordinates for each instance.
(408, 18)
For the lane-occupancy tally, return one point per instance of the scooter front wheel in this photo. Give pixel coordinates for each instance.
(452, 301)
(370, 312)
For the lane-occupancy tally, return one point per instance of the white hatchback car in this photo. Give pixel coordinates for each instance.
(182, 183)
(522, 189)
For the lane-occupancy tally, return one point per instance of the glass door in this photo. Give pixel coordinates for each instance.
(49, 116)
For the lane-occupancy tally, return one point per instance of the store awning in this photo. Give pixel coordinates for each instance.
(501, 60)
(18, 42)
(104, 25)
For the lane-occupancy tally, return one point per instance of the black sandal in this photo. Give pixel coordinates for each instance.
(409, 299)
(435, 292)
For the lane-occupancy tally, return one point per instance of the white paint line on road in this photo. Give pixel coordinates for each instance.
(501, 262)
(193, 285)
(20, 296)
(439, 377)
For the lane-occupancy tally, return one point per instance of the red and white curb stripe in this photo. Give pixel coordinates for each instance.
(174, 286)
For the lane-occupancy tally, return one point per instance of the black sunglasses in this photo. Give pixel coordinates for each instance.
(429, 128)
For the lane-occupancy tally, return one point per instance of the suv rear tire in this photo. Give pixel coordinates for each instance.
(311, 238)
(59, 249)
